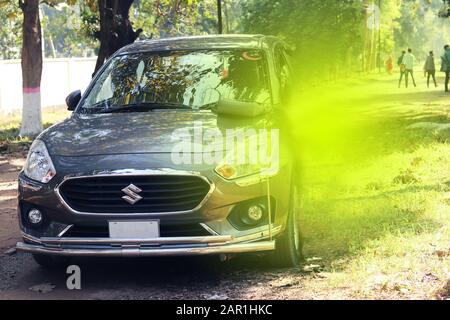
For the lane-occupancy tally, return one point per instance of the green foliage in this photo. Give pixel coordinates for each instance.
(10, 30)
(444, 12)
(327, 34)
(64, 28)
(164, 18)
(334, 37)
(419, 27)
(64, 35)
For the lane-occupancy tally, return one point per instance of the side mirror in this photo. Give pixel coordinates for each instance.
(73, 99)
(241, 109)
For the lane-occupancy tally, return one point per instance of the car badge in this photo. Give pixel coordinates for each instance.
(132, 195)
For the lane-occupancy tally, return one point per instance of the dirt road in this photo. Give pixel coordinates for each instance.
(9, 230)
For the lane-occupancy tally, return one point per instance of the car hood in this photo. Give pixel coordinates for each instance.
(122, 133)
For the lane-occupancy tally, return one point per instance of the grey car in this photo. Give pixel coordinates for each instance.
(131, 173)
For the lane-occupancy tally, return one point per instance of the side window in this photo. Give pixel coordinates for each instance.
(282, 70)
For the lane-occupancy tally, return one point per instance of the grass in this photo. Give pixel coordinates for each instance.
(10, 140)
(376, 198)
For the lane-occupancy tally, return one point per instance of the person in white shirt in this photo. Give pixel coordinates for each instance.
(408, 61)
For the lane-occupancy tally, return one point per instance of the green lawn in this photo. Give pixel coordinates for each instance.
(376, 187)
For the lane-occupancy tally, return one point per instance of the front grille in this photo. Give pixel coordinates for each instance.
(165, 193)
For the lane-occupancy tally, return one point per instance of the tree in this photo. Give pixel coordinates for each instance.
(445, 10)
(63, 32)
(10, 39)
(166, 18)
(31, 68)
(219, 17)
(116, 30)
(31, 55)
(328, 35)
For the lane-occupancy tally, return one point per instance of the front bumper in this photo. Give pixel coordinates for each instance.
(177, 238)
(174, 246)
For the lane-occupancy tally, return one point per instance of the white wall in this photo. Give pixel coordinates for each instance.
(59, 78)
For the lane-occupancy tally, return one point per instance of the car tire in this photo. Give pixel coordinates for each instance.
(289, 245)
(50, 262)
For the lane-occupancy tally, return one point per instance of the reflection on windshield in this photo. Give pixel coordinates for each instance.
(182, 78)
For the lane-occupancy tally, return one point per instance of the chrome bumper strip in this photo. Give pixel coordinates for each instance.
(145, 252)
(165, 246)
(109, 241)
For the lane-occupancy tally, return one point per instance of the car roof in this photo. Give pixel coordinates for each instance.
(242, 41)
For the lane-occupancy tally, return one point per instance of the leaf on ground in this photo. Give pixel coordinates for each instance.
(215, 297)
(312, 259)
(311, 268)
(43, 288)
(442, 253)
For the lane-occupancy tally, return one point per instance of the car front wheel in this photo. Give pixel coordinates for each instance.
(289, 246)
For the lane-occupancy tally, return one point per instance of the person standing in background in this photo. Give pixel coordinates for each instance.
(408, 61)
(402, 68)
(389, 65)
(445, 67)
(430, 69)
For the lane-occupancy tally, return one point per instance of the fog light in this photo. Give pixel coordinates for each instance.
(250, 214)
(255, 213)
(35, 216)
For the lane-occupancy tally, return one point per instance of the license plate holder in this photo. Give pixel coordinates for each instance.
(142, 229)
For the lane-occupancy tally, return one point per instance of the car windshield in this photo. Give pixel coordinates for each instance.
(192, 80)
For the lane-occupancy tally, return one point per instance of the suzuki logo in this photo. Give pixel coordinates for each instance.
(131, 194)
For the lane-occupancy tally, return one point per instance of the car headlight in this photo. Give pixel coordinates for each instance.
(230, 171)
(254, 159)
(39, 165)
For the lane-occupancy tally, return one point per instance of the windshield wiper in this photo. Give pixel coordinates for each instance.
(143, 107)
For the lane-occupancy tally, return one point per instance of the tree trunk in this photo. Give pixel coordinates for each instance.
(116, 30)
(227, 17)
(219, 17)
(31, 68)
